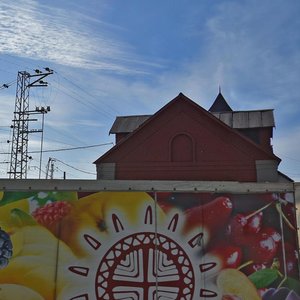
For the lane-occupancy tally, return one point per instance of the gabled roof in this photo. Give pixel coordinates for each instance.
(126, 124)
(234, 119)
(220, 104)
(181, 99)
(247, 119)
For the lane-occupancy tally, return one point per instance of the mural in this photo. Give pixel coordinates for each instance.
(138, 245)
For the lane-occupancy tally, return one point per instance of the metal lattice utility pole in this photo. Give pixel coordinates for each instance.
(50, 168)
(19, 149)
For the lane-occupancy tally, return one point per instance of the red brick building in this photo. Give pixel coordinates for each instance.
(183, 141)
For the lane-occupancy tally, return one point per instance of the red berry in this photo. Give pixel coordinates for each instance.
(261, 248)
(52, 213)
(291, 259)
(165, 206)
(273, 233)
(230, 256)
(214, 215)
(289, 211)
(252, 268)
(254, 223)
(235, 229)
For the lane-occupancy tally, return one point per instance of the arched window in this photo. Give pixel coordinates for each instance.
(182, 148)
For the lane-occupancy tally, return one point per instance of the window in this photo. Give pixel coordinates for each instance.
(182, 148)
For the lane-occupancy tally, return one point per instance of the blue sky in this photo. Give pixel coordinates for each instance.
(131, 57)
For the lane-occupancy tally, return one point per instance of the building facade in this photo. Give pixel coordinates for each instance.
(183, 141)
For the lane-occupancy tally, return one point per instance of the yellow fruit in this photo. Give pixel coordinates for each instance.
(18, 292)
(92, 215)
(5, 210)
(17, 239)
(232, 282)
(36, 266)
(130, 206)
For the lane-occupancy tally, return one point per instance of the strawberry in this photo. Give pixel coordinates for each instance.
(52, 213)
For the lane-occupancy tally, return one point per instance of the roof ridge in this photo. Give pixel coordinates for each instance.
(208, 113)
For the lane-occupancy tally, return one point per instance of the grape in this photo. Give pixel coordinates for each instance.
(280, 294)
(5, 249)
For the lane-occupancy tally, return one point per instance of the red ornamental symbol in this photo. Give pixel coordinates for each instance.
(145, 266)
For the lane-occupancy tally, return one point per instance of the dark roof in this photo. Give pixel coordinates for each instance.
(284, 177)
(220, 104)
(234, 119)
(247, 119)
(148, 119)
(126, 124)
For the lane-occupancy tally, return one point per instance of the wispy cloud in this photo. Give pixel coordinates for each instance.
(257, 45)
(31, 30)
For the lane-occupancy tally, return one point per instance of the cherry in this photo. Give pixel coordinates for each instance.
(161, 196)
(230, 256)
(289, 211)
(291, 259)
(273, 233)
(236, 229)
(165, 206)
(292, 264)
(262, 248)
(242, 227)
(254, 223)
(213, 215)
(253, 267)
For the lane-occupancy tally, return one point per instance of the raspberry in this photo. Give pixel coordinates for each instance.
(6, 248)
(52, 213)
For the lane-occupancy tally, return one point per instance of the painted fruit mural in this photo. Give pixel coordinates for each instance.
(136, 245)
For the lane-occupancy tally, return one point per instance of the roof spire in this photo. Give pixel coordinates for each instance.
(220, 104)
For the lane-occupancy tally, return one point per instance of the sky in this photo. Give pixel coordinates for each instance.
(118, 58)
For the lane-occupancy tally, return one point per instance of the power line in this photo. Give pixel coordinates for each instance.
(66, 149)
(87, 93)
(73, 148)
(7, 85)
(86, 172)
(85, 102)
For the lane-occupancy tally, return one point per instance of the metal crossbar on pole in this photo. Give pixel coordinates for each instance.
(19, 148)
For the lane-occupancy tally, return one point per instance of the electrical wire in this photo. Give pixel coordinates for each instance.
(84, 103)
(70, 92)
(7, 85)
(87, 93)
(77, 169)
(66, 149)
